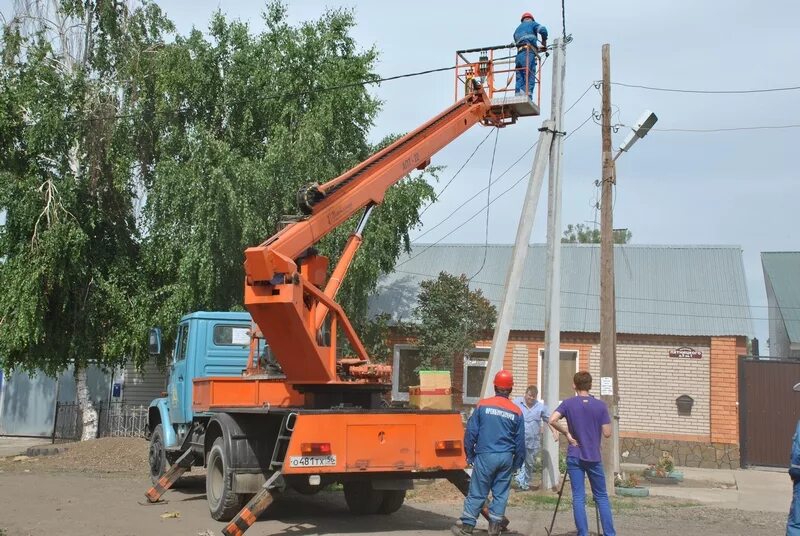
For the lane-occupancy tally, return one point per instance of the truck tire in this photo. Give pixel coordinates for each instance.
(222, 501)
(157, 454)
(361, 499)
(392, 501)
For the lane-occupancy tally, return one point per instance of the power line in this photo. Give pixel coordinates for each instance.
(459, 226)
(653, 313)
(459, 207)
(629, 298)
(579, 98)
(732, 129)
(509, 168)
(455, 175)
(295, 94)
(488, 202)
(709, 91)
(720, 129)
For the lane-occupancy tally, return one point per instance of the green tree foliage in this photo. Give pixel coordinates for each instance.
(70, 244)
(258, 124)
(449, 319)
(583, 234)
(135, 171)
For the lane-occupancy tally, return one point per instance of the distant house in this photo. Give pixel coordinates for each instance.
(683, 319)
(782, 279)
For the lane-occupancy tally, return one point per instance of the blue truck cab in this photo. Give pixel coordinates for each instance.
(207, 344)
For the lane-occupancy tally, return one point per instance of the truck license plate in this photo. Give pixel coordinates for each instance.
(312, 461)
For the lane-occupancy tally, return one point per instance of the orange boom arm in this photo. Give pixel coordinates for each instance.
(285, 276)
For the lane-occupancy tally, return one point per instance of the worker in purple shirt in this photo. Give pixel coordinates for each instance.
(587, 420)
(534, 414)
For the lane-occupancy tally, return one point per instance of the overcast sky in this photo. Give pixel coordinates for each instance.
(674, 187)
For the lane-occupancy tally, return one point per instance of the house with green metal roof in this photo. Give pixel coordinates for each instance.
(683, 318)
(782, 281)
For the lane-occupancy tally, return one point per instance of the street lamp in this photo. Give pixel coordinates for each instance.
(608, 314)
(638, 131)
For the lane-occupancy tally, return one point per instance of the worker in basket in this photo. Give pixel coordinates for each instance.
(495, 447)
(526, 38)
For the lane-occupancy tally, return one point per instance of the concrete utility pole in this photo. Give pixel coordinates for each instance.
(552, 303)
(608, 322)
(505, 315)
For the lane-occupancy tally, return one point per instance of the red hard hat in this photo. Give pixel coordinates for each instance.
(526, 15)
(504, 380)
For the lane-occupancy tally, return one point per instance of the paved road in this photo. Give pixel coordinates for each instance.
(74, 504)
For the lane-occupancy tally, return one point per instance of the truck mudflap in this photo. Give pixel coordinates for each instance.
(375, 442)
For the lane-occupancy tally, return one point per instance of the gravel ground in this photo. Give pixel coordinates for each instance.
(117, 455)
(96, 486)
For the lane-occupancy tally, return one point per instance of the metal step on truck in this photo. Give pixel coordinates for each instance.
(265, 400)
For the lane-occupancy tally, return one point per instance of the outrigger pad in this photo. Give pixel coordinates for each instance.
(182, 464)
(248, 515)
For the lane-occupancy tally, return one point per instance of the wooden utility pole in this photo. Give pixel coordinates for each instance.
(608, 323)
(552, 307)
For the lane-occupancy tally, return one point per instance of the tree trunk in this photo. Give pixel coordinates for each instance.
(87, 411)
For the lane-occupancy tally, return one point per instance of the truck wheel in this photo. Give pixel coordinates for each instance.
(392, 501)
(362, 499)
(222, 501)
(157, 455)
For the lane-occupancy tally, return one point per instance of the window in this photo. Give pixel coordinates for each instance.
(568, 366)
(474, 371)
(406, 362)
(231, 335)
(181, 349)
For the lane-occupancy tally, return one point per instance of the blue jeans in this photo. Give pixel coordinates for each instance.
(793, 525)
(578, 470)
(490, 471)
(525, 473)
(526, 59)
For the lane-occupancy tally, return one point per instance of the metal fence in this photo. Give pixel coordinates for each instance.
(67, 425)
(121, 420)
(114, 420)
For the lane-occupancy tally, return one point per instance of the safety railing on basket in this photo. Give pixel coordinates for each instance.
(496, 70)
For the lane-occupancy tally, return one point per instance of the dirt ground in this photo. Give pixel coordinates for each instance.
(97, 487)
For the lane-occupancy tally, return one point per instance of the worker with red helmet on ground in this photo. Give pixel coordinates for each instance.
(527, 40)
(494, 443)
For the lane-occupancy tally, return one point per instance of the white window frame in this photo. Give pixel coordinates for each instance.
(469, 362)
(539, 368)
(397, 396)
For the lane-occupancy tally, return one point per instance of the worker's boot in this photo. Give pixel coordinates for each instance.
(495, 528)
(463, 530)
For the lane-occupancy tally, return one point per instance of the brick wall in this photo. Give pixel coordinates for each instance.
(724, 388)
(649, 383)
